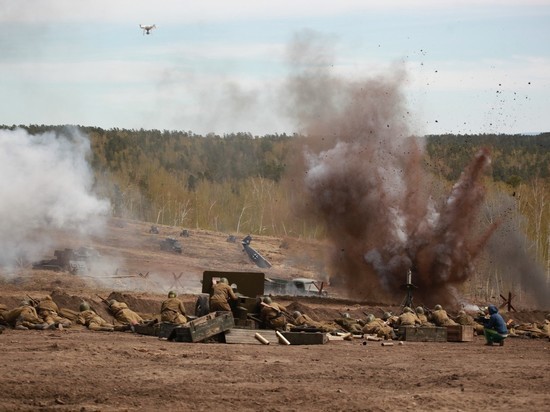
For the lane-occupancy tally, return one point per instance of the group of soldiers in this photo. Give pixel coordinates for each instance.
(45, 314)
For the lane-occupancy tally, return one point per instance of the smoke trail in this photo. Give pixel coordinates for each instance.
(364, 179)
(46, 184)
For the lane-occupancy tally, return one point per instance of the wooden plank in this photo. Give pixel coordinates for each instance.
(246, 336)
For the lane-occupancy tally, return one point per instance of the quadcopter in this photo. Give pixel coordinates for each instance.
(147, 28)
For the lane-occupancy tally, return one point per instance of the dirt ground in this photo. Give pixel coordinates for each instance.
(78, 370)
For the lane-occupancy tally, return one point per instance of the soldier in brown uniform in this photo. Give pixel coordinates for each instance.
(440, 317)
(422, 316)
(24, 317)
(377, 326)
(464, 319)
(123, 313)
(349, 324)
(272, 314)
(48, 310)
(408, 318)
(92, 320)
(301, 319)
(221, 294)
(172, 310)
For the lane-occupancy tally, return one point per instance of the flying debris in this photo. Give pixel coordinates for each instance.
(147, 28)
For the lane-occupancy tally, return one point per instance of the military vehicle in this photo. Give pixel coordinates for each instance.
(77, 261)
(171, 245)
(295, 287)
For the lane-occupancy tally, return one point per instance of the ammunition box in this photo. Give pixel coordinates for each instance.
(423, 334)
(460, 333)
(203, 327)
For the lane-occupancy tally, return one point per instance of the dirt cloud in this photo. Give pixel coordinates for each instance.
(365, 180)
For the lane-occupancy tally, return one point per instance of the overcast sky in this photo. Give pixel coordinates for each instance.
(218, 66)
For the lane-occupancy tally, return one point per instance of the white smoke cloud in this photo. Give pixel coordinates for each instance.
(46, 184)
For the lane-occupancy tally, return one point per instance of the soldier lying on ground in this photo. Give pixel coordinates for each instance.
(25, 317)
(378, 327)
(301, 319)
(221, 294)
(123, 313)
(93, 321)
(172, 310)
(349, 324)
(440, 318)
(48, 311)
(273, 314)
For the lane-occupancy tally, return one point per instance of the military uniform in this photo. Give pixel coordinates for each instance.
(379, 328)
(221, 293)
(48, 312)
(172, 310)
(305, 320)
(124, 314)
(408, 319)
(24, 317)
(93, 321)
(440, 318)
(349, 325)
(273, 316)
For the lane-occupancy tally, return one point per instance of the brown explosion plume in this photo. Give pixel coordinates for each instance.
(364, 178)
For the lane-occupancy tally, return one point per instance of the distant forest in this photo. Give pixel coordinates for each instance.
(235, 182)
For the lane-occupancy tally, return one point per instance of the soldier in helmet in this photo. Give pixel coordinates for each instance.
(408, 318)
(464, 319)
(222, 293)
(172, 310)
(123, 313)
(301, 319)
(421, 314)
(440, 318)
(48, 310)
(378, 327)
(273, 314)
(87, 317)
(349, 324)
(24, 317)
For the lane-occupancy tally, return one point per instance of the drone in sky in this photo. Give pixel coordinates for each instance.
(147, 28)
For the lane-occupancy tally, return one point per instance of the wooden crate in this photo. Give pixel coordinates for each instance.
(423, 334)
(460, 333)
(306, 338)
(203, 327)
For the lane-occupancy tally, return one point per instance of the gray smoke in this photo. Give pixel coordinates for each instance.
(46, 185)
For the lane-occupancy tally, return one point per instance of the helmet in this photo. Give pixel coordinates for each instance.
(346, 315)
(267, 300)
(548, 316)
(84, 306)
(224, 280)
(296, 314)
(438, 307)
(25, 302)
(386, 315)
(406, 309)
(461, 313)
(234, 287)
(419, 310)
(370, 318)
(112, 302)
(172, 294)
